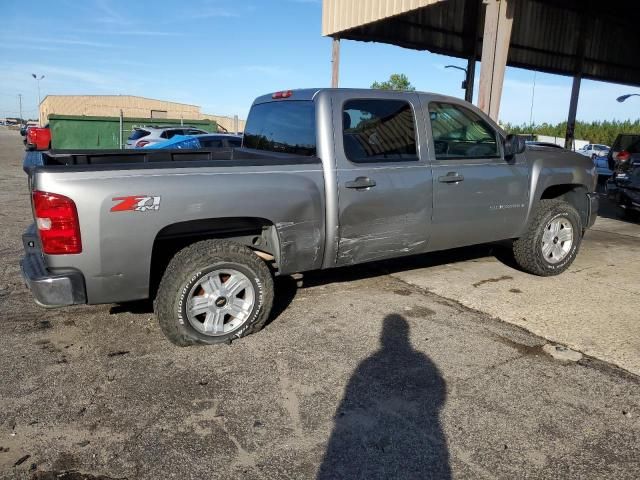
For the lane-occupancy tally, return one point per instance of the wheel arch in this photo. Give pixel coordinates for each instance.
(259, 234)
(573, 194)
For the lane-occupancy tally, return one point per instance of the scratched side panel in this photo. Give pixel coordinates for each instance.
(391, 219)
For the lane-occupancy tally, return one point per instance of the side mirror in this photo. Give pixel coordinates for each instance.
(513, 145)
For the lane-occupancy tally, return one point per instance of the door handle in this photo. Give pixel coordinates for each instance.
(361, 183)
(451, 177)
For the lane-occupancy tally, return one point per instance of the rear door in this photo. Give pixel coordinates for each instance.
(478, 195)
(383, 175)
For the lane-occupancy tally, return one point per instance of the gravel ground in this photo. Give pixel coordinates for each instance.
(359, 375)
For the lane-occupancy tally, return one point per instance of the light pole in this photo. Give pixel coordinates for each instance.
(38, 82)
(624, 97)
(468, 92)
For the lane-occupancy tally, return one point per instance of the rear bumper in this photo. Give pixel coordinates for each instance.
(50, 289)
(594, 203)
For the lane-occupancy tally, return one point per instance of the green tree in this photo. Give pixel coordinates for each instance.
(397, 81)
(595, 132)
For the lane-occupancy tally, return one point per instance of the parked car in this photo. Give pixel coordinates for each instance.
(625, 148)
(325, 178)
(209, 140)
(594, 150)
(143, 136)
(220, 140)
(23, 130)
(38, 138)
(599, 154)
(624, 186)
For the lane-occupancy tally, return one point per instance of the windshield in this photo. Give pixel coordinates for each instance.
(138, 133)
(284, 127)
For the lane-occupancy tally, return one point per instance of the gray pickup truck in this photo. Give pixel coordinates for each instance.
(325, 178)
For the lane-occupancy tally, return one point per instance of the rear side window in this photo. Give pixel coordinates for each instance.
(171, 133)
(376, 130)
(283, 127)
(234, 142)
(138, 133)
(459, 133)
(630, 143)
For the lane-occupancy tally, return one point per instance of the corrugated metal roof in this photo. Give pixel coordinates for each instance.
(341, 15)
(545, 33)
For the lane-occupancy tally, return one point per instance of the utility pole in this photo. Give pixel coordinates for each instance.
(335, 62)
(20, 103)
(121, 127)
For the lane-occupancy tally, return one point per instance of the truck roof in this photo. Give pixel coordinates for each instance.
(310, 93)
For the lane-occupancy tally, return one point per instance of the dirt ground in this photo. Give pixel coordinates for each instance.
(358, 375)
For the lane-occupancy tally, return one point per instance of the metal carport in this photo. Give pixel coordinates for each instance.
(590, 39)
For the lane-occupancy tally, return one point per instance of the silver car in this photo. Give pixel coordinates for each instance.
(594, 150)
(143, 136)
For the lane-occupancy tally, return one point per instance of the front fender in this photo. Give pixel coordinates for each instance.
(555, 171)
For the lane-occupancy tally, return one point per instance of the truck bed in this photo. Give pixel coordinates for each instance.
(152, 158)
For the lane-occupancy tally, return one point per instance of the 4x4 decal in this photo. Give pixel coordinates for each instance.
(136, 203)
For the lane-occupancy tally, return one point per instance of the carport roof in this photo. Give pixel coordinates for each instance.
(545, 35)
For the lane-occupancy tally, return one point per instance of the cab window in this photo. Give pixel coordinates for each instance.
(459, 133)
(377, 130)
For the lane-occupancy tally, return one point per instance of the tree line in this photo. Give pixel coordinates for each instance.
(604, 132)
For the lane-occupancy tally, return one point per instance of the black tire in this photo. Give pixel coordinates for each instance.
(527, 249)
(184, 271)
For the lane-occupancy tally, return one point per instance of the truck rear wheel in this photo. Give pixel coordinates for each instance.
(552, 239)
(212, 292)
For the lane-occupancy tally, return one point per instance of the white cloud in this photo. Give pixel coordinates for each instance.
(105, 13)
(79, 42)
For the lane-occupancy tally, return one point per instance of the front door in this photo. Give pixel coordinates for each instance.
(384, 183)
(478, 195)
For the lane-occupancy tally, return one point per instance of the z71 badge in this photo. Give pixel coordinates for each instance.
(136, 203)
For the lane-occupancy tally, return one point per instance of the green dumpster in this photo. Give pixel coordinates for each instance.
(69, 132)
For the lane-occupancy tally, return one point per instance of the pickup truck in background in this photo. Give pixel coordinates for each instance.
(325, 178)
(38, 138)
(600, 156)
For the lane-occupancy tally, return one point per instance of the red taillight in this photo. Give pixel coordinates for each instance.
(283, 94)
(57, 222)
(623, 156)
(142, 143)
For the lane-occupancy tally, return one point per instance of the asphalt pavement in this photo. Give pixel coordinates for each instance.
(361, 373)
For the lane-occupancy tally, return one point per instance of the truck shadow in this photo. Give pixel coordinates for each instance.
(387, 424)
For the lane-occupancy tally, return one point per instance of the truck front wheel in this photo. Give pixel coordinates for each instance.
(552, 239)
(212, 292)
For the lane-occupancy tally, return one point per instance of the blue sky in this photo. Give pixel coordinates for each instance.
(220, 54)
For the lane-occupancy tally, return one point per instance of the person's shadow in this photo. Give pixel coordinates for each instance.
(387, 425)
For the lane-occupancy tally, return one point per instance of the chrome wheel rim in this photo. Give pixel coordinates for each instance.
(557, 240)
(220, 302)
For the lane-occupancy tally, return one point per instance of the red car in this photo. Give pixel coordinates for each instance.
(38, 138)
